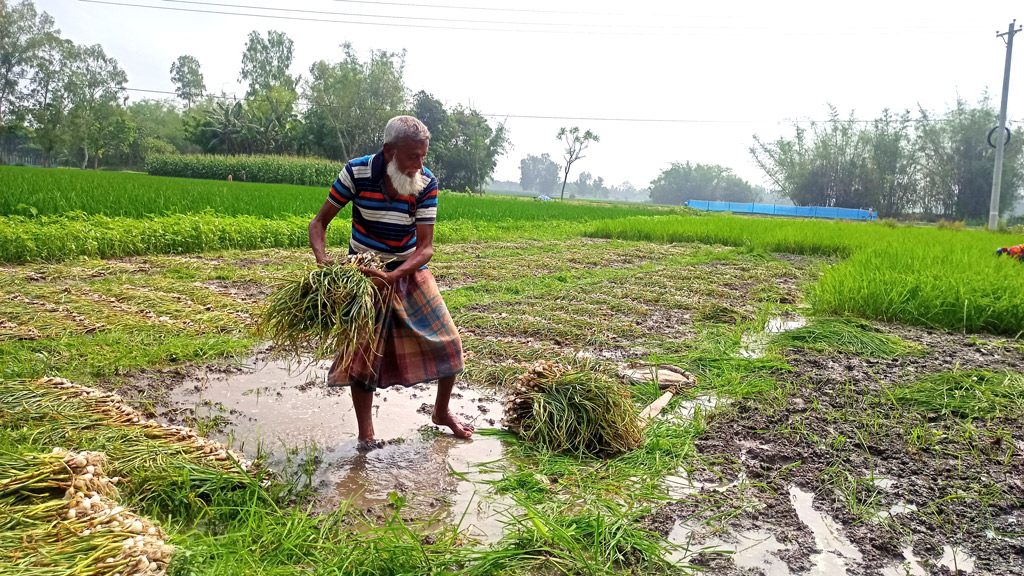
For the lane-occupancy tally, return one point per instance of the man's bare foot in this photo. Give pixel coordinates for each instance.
(459, 429)
(367, 444)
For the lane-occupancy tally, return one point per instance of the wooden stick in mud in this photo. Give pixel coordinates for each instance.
(657, 406)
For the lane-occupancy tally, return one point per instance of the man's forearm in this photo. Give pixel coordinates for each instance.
(318, 241)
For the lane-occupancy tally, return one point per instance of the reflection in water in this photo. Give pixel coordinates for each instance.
(292, 414)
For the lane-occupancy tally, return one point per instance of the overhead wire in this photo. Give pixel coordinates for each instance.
(580, 118)
(427, 18)
(568, 28)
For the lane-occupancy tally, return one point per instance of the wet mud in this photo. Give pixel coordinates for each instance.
(307, 431)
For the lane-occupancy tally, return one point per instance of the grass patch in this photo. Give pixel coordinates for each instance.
(605, 538)
(970, 395)
(845, 336)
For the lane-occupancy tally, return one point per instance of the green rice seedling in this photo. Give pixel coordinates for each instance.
(605, 538)
(969, 394)
(573, 411)
(912, 275)
(861, 496)
(50, 192)
(325, 311)
(845, 336)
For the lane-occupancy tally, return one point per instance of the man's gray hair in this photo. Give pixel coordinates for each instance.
(405, 128)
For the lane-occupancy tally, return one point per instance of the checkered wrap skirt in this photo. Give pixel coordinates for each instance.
(414, 340)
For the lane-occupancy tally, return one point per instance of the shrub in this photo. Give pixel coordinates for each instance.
(950, 225)
(266, 169)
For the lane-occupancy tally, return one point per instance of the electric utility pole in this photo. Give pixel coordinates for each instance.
(997, 171)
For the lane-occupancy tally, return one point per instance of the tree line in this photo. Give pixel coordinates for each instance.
(67, 104)
(899, 164)
(902, 165)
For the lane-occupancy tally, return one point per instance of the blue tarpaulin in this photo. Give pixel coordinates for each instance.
(776, 210)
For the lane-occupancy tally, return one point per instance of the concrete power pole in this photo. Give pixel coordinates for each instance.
(997, 171)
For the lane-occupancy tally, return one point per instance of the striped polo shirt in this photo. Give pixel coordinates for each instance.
(380, 225)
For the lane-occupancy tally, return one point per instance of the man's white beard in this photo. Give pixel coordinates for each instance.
(406, 185)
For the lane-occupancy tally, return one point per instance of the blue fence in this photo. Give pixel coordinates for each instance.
(776, 210)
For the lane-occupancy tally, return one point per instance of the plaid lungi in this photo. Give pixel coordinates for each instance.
(414, 339)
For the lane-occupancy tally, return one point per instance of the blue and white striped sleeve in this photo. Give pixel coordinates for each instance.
(426, 206)
(343, 190)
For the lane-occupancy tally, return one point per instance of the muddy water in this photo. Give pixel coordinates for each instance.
(294, 416)
(835, 551)
(754, 345)
(748, 549)
(759, 548)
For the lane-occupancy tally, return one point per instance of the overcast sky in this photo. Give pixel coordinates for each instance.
(723, 70)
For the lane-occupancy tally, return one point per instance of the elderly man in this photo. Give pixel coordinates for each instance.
(394, 203)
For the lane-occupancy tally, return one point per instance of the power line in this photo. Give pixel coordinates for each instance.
(424, 18)
(385, 24)
(581, 118)
(487, 8)
(568, 28)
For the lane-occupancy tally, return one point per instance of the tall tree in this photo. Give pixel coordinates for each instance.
(349, 102)
(432, 113)
(956, 162)
(891, 169)
(682, 182)
(539, 173)
(112, 131)
(271, 123)
(51, 100)
(23, 35)
(575, 144)
(188, 79)
(825, 167)
(96, 81)
(583, 184)
(266, 62)
(469, 152)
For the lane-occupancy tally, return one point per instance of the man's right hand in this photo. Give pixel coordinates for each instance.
(381, 280)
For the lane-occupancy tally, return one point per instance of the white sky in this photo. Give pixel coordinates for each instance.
(739, 67)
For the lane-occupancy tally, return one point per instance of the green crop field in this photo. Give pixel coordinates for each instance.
(914, 275)
(43, 192)
(874, 370)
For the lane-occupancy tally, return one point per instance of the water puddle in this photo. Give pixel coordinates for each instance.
(884, 483)
(753, 549)
(294, 416)
(902, 508)
(754, 345)
(956, 560)
(834, 549)
(680, 487)
(704, 403)
(913, 566)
